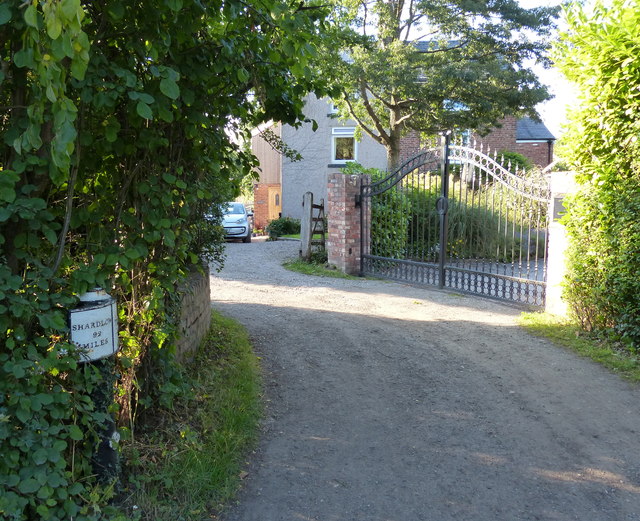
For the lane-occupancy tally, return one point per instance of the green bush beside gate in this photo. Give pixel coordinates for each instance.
(115, 143)
(390, 216)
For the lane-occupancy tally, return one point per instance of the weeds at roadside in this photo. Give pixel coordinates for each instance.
(612, 355)
(187, 463)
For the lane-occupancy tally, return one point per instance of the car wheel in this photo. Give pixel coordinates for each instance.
(247, 238)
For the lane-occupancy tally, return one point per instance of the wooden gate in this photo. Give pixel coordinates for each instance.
(312, 227)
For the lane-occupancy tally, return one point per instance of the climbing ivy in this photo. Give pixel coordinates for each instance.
(119, 126)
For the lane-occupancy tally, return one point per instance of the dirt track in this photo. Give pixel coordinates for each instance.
(395, 403)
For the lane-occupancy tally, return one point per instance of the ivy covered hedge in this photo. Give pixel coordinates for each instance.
(115, 125)
(599, 53)
(390, 215)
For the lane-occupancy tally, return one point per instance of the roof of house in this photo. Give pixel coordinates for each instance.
(529, 130)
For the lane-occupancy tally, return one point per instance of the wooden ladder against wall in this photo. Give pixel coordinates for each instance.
(312, 233)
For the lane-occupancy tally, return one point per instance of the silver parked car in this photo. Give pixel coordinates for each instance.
(236, 222)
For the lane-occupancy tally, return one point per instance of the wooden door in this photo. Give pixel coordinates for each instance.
(275, 202)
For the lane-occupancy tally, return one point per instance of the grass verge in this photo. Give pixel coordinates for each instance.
(188, 462)
(613, 355)
(319, 270)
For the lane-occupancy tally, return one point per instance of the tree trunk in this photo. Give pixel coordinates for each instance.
(393, 144)
(393, 156)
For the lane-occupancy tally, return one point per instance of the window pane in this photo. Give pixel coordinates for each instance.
(345, 148)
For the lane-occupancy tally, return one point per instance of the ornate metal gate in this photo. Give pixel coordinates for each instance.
(454, 217)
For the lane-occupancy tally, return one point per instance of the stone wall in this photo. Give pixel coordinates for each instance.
(195, 313)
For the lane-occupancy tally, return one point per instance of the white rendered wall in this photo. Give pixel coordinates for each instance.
(562, 184)
(311, 174)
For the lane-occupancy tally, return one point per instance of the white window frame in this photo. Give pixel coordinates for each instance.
(343, 132)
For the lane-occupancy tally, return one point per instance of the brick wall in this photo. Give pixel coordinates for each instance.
(540, 154)
(261, 204)
(343, 241)
(195, 313)
(503, 138)
(409, 145)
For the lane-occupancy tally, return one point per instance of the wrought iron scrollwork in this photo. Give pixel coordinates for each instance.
(518, 182)
(426, 157)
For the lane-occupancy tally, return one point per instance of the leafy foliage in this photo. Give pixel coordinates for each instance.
(390, 216)
(283, 226)
(430, 65)
(115, 130)
(599, 53)
(186, 459)
(514, 161)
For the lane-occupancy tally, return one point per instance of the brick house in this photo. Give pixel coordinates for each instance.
(530, 138)
(283, 182)
(525, 136)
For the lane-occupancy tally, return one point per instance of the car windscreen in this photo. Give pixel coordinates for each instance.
(234, 208)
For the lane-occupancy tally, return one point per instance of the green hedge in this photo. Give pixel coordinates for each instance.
(390, 216)
(113, 146)
(599, 53)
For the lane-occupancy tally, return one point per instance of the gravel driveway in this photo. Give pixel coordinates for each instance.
(387, 402)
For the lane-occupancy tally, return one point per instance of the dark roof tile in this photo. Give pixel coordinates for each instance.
(529, 130)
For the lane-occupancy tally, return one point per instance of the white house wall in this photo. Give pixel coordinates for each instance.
(310, 174)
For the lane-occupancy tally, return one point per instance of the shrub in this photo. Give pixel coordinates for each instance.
(283, 226)
(514, 161)
(110, 152)
(475, 230)
(390, 216)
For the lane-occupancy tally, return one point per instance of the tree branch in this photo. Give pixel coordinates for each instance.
(446, 49)
(372, 114)
(406, 117)
(62, 238)
(381, 100)
(365, 127)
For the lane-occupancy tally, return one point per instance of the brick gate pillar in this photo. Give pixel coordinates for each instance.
(343, 242)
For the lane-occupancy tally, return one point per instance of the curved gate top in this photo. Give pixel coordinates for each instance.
(455, 217)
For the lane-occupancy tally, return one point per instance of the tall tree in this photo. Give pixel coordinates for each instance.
(433, 65)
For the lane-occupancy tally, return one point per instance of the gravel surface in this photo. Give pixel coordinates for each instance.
(387, 402)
